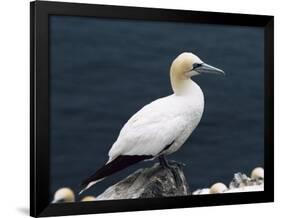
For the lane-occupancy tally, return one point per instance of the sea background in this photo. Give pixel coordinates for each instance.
(102, 71)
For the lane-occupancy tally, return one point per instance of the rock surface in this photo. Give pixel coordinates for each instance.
(241, 180)
(240, 183)
(150, 182)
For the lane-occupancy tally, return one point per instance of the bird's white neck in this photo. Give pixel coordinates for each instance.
(181, 86)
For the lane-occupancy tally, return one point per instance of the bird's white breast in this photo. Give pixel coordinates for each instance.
(193, 106)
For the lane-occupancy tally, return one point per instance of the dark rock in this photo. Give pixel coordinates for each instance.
(151, 182)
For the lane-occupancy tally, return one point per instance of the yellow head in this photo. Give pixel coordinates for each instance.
(183, 65)
(64, 195)
(187, 65)
(88, 198)
(218, 188)
(257, 173)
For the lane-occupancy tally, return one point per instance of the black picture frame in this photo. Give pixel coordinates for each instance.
(39, 107)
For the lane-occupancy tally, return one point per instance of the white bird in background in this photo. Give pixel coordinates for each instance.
(161, 127)
(64, 195)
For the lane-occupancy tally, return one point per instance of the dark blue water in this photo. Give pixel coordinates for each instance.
(103, 71)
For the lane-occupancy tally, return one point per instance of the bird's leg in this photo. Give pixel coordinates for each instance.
(163, 161)
(165, 164)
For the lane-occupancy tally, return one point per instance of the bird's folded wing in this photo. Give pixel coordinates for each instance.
(147, 133)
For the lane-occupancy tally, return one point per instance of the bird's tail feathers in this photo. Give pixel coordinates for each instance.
(89, 185)
(115, 165)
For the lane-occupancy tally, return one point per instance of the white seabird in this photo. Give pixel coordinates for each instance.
(218, 188)
(64, 195)
(257, 173)
(161, 127)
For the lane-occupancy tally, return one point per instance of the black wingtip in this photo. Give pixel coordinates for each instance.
(119, 163)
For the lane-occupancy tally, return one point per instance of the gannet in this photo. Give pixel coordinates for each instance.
(161, 127)
(218, 188)
(88, 198)
(257, 173)
(64, 195)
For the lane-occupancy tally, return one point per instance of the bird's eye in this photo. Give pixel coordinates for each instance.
(195, 65)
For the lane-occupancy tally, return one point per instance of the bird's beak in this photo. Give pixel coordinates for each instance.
(206, 68)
